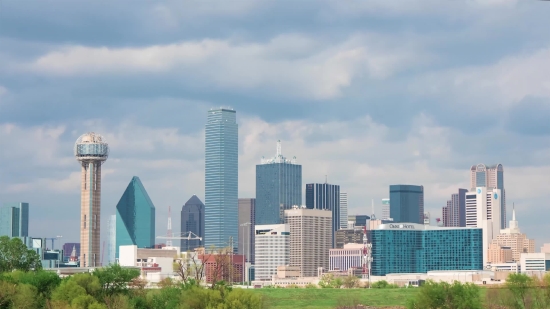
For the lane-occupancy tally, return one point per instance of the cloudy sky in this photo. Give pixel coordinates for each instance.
(368, 92)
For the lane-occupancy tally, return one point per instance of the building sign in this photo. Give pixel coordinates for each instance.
(402, 226)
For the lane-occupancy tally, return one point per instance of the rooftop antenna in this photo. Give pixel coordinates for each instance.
(279, 152)
(326, 178)
(169, 234)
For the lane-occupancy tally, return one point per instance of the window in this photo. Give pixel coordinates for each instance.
(84, 221)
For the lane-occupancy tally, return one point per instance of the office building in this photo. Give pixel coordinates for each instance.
(513, 238)
(247, 222)
(535, 263)
(221, 228)
(223, 266)
(490, 177)
(278, 187)
(545, 248)
(497, 254)
(272, 250)
(358, 220)
(385, 209)
(419, 248)
(310, 239)
(135, 217)
(68, 249)
(407, 203)
(14, 220)
(454, 214)
(343, 210)
(325, 196)
(349, 236)
(342, 259)
(192, 220)
(91, 150)
(483, 211)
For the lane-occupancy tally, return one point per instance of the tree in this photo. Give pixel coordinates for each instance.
(442, 295)
(350, 282)
(519, 285)
(14, 255)
(115, 279)
(45, 282)
(383, 284)
(190, 268)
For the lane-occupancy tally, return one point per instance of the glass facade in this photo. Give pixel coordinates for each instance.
(325, 196)
(192, 220)
(407, 203)
(419, 251)
(14, 220)
(135, 217)
(278, 187)
(221, 179)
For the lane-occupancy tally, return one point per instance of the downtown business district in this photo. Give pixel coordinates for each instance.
(273, 239)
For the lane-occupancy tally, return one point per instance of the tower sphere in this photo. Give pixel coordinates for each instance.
(91, 147)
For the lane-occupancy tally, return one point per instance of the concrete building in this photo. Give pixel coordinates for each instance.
(135, 217)
(221, 179)
(454, 214)
(407, 203)
(192, 220)
(310, 239)
(247, 207)
(419, 248)
(483, 211)
(327, 197)
(272, 250)
(513, 238)
(345, 258)
(154, 264)
(534, 262)
(343, 210)
(349, 236)
(490, 177)
(385, 209)
(545, 248)
(497, 254)
(91, 150)
(223, 266)
(14, 220)
(278, 187)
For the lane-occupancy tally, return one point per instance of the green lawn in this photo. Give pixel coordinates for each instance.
(331, 298)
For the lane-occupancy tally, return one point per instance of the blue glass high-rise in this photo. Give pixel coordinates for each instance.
(192, 220)
(135, 217)
(325, 196)
(221, 179)
(407, 203)
(14, 220)
(278, 187)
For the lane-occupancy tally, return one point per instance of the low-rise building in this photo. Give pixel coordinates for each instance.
(535, 262)
(154, 264)
(345, 258)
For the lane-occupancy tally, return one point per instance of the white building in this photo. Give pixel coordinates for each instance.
(346, 258)
(155, 264)
(534, 262)
(490, 177)
(483, 211)
(343, 210)
(385, 209)
(272, 244)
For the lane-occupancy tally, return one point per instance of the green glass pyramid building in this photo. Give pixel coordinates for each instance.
(135, 217)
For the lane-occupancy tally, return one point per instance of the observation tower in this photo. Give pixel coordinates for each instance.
(91, 151)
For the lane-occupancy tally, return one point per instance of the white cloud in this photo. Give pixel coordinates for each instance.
(291, 63)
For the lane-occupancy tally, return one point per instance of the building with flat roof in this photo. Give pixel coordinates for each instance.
(272, 249)
(310, 239)
(342, 259)
(407, 203)
(135, 217)
(454, 214)
(221, 179)
(343, 210)
(385, 209)
(14, 220)
(349, 236)
(419, 248)
(358, 220)
(192, 220)
(247, 207)
(534, 262)
(325, 196)
(278, 187)
(497, 254)
(545, 248)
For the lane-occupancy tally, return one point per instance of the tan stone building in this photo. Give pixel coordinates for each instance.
(513, 238)
(499, 254)
(310, 239)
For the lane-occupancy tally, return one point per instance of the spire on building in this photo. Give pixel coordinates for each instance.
(514, 226)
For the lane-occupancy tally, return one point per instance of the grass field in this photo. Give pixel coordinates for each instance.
(331, 298)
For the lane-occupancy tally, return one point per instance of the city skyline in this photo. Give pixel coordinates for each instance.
(368, 95)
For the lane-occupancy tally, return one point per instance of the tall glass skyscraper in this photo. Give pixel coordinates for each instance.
(192, 220)
(221, 179)
(407, 203)
(278, 187)
(135, 217)
(14, 220)
(325, 196)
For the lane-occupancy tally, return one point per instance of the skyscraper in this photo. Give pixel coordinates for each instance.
(91, 150)
(385, 209)
(490, 177)
(135, 217)
(327, 197)
(192, 220)
(454, 214)
(343, 210)
(221, 179)
(407, 203)
(278, 187)
(14, 220)
(247, 207)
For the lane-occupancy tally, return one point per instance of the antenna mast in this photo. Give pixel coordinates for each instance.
(279, 151)
(169, 234)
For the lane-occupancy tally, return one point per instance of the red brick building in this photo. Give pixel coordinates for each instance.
(226, 267)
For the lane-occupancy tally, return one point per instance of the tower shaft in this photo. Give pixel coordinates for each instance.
(90, 207)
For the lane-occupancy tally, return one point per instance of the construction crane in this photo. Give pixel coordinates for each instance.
(186, 235)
